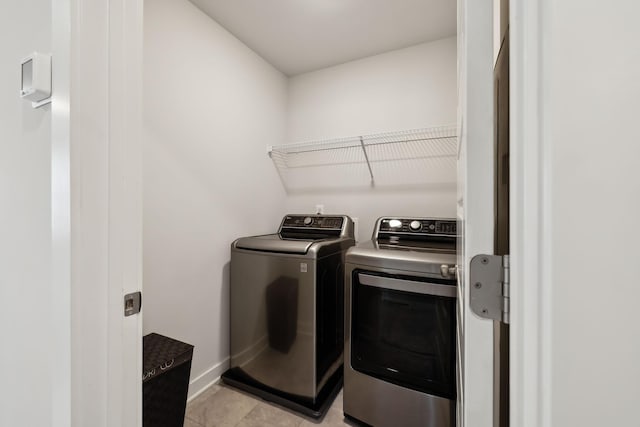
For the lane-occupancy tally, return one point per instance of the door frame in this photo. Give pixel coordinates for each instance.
(61, 394)
(475, 208)
(530, 227)
(118, 31)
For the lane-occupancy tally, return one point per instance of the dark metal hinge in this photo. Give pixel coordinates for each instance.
(490, 287)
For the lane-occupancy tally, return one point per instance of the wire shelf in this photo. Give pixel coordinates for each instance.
(413, 157)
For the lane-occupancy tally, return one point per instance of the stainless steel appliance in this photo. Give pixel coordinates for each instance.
(287, 305)
(400, 325)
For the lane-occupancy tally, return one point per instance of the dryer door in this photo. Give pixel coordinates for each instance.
(403, 331)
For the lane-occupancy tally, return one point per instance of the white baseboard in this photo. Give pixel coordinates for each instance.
(207, 378)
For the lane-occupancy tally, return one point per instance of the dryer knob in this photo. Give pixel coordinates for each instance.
(308, 220)
(415, 225)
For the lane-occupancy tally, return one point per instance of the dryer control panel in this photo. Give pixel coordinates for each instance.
(417, 226)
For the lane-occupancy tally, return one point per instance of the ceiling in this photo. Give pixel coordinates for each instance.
(297, 36)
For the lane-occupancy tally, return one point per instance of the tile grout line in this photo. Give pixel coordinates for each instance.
(194, 421)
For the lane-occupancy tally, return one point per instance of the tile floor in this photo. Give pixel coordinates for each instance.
(223, 406)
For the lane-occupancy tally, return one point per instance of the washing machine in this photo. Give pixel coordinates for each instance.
(400, 324)
(287, 312)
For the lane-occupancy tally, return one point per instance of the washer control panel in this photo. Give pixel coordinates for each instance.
(420, 226)
(313, 221)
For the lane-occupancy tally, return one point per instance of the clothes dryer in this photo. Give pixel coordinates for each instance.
(400, 325)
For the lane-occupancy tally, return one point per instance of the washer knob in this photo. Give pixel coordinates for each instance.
(308, 220)
(415, 225)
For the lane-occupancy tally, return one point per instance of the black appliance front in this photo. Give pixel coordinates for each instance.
(330, 314)
(404, 338)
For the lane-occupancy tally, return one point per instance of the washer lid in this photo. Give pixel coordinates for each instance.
(274, 243)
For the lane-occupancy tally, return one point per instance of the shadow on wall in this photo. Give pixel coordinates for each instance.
(416, 158)
(385, 174)
(32, 119)
(376, 189)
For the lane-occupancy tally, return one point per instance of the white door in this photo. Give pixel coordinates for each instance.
(125, 207)
(475, 205)
(574, 229)
(574, 210)
(95, 214)
(105, 204)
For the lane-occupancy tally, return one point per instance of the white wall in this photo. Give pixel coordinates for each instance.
(211, 107)
(403, 89)
(25, 225)
(591, 188)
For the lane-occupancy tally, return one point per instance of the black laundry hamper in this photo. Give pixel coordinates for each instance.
(165, 380)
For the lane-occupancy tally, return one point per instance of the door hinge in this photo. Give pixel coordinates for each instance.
(132, 303)
(489, 287)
